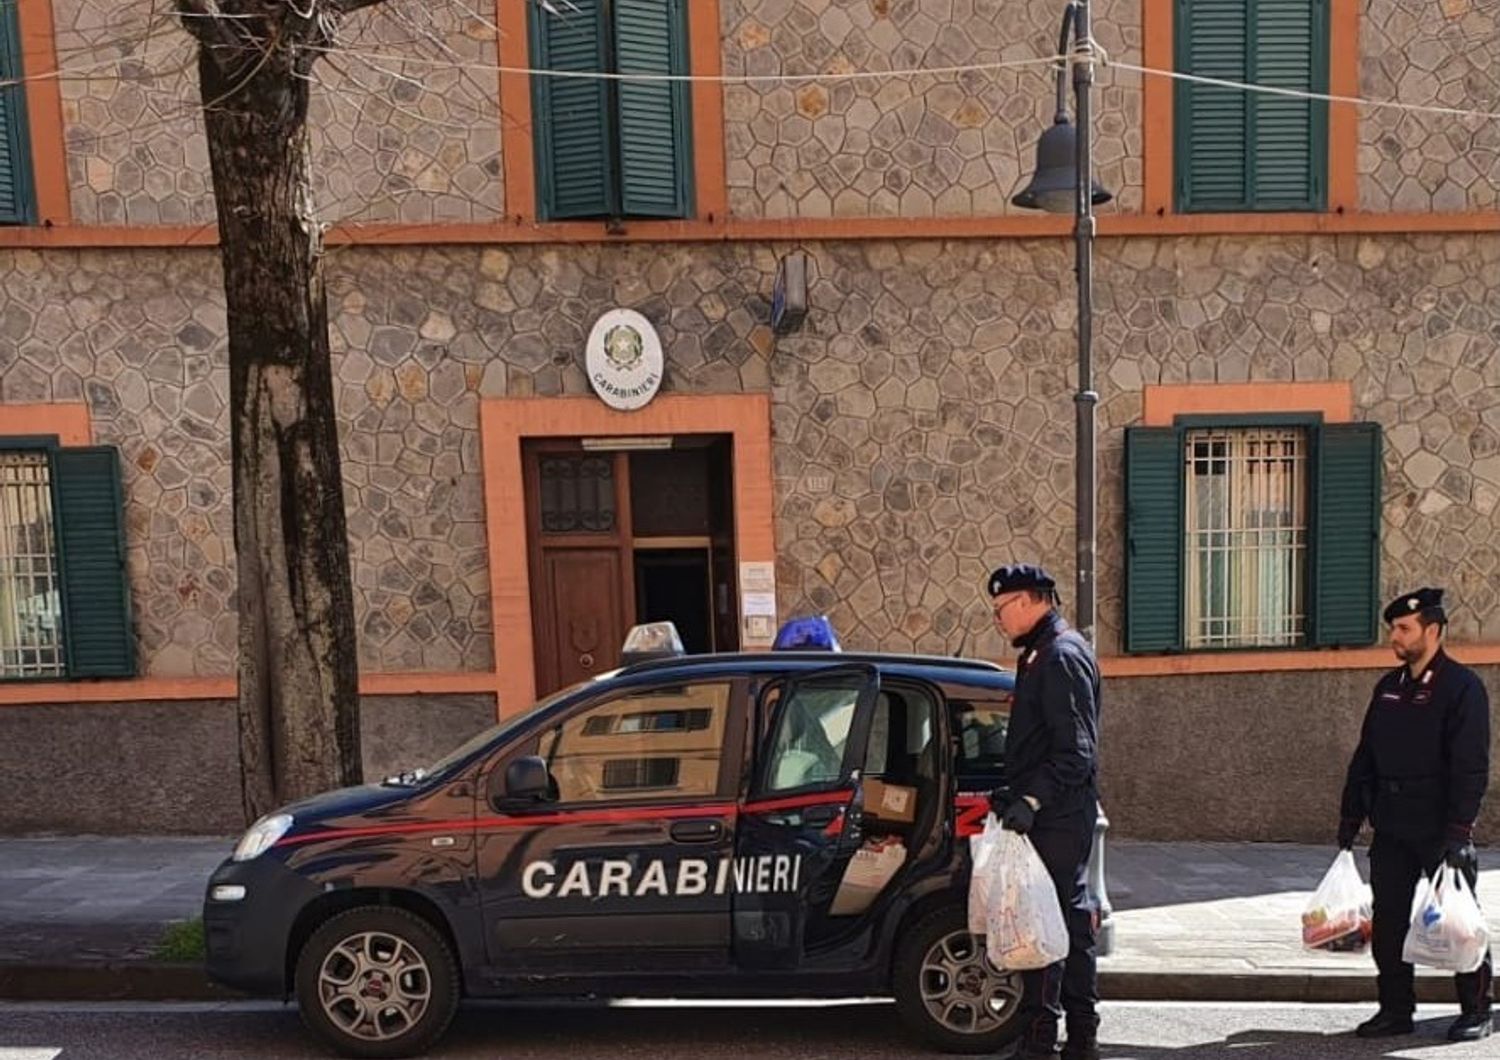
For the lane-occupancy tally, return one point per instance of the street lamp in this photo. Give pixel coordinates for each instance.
(1064, 167)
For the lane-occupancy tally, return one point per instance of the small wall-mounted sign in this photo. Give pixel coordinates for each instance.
(757, 604)
(624, 359)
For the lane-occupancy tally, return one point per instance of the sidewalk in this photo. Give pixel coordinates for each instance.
(82, 916)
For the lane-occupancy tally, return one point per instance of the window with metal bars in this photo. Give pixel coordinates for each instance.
(30, 597)
(1252, 531)
(64, 595)
(1246, 527)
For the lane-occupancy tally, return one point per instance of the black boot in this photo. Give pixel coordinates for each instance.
(1081, 1046)
(1385, 1025)
(1470, 1027)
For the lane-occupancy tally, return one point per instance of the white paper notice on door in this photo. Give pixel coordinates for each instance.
(757, 604)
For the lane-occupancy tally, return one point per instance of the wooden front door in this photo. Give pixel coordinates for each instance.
(578, 529)
(619, 537)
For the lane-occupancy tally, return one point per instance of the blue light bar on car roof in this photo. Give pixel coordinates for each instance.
(809, 633)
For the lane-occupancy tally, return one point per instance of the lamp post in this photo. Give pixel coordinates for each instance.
(1064, 169)
(1064, 180)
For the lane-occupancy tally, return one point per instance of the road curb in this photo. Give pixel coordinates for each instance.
(1286, 987)
(110, 981)
(156, 981)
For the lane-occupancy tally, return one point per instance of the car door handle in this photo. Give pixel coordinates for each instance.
(696, 831)
(820, 815)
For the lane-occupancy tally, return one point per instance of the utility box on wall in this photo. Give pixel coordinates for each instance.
(789, 295)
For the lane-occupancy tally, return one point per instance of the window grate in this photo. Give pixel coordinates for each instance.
(30, 601)
(1246, 526)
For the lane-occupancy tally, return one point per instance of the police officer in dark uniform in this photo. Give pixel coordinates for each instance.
(1051, 795)
(1418, 774)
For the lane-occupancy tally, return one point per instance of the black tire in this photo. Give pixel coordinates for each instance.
(924, 988)
(388, 955)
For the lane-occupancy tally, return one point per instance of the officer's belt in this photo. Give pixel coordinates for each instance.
(1409, 785)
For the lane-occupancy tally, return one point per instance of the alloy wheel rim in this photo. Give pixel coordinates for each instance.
(962, 991)
(374, 986)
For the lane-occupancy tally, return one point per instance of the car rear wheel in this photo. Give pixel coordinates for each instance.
(377, 982)
(948, 992)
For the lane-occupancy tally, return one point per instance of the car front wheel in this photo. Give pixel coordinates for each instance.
(948, 992)
(377, 982)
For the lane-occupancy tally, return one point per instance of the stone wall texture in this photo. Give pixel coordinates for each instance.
(173, 767)
(404, 120)
(925, 146)
(1435, 53)
(922, 417)
(1245, 757)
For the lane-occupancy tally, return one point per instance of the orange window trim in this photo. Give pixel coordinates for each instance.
(1165, 402)
(1157, 31)
(520, 230)
(68, 420)
(516, 153)
(1343, 118)
(44, 114)
(505, 422)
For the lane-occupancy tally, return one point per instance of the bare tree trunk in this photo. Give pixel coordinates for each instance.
(298, 665)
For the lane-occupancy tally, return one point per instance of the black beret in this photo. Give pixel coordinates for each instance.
(1020, 576)
(1414, 603)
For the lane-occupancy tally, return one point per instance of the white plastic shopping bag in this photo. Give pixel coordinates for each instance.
(1024, 926)
(1447, 928)
(1338, 916)
(981, 850)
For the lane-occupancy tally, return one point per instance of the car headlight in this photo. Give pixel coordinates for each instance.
(262, 836)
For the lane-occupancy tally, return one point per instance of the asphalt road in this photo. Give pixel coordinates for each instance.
(666, 1031)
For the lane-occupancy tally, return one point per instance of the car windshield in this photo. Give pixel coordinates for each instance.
(500, 731)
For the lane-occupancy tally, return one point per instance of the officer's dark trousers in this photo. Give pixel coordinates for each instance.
(1395, 867)
(1070, 987)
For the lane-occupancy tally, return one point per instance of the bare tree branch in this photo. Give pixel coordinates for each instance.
(207, 24)
(345, 7)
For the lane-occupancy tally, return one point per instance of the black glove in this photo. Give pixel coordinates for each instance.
(999, 800)
(1348, 829)
(1462, 856)
(1018, 817)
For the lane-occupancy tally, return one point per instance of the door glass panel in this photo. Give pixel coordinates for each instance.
(812, 733)
(577, 494)
(664, 743)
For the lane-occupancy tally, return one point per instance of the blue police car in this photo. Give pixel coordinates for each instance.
(782, 824)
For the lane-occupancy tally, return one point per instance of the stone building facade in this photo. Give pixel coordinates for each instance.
(919, 424)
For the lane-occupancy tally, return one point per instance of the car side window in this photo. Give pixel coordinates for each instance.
(979, 732)
(812, 731)
(659, 742)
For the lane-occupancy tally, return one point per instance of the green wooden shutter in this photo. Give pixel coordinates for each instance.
(1241, 150)
(1345, 579)
(91, 543)
(15, 153)
(1290, 160)
(571, 115)
(654, 116)
(1153, 539)
(1212, 124)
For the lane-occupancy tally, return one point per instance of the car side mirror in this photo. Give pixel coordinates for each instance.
(526, 782)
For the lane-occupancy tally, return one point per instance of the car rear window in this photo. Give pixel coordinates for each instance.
(979, 734)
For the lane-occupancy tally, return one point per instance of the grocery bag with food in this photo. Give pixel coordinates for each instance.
(981, 851)
(1024, 926)
(1447, 927)
(1337, 917)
